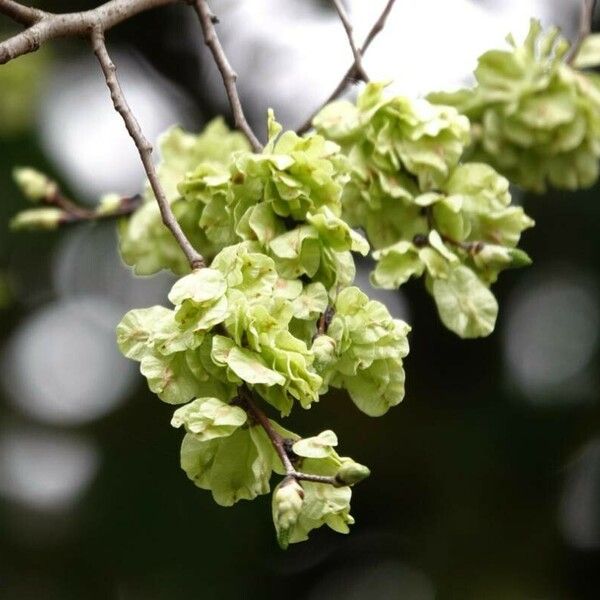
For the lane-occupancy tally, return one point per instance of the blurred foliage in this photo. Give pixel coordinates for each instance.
(20, 82)
(5, 293)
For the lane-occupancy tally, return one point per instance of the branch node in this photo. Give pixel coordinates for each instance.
(351, 74)
(356, 53)
(42, 27)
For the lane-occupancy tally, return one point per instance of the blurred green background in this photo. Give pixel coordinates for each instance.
(485, 481)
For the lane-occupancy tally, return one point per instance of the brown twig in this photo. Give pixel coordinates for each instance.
(58, 199)
(324, 321)
(341, 11)
(351, 74)
(207, 23)
(279, 443)
(75, 212)
(43, 27)
(470, 247)
(143, 146)
(586, 16)
(78, 214)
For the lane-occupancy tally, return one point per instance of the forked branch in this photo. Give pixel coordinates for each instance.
(352, 73)
(43, 27)
(339, 7)
(279, 443)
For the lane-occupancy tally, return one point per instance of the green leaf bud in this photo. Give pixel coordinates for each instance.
(38, 218)
(109, 203)
(34, 185)
(288, 499)
(351, 472)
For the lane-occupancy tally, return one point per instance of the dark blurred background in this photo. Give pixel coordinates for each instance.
(486, 480)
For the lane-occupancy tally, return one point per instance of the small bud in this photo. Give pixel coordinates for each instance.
(288, 498)
(34, 185)
(519, 258)
(323, 349)
(108, 204)
(351, 472)
(37, 218)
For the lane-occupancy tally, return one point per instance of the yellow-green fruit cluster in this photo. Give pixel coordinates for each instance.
(534, 117)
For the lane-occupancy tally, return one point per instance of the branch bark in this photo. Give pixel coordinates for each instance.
(24, 15)
(341, 11)
(207, 23)
(43, 26)
(143, 146)
(77, 214)
(352, 73)
(279, 443)
(586, 17)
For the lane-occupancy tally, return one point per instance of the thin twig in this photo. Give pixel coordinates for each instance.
(264, 421)
(207, 23)
(328, 479)
(58, 199)
(78, 214)
(350, 34)
(351, 74)
(324, 321)
(586, 17)
(279, 443)
(93, 23)
(43, 26)
(143, 146)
